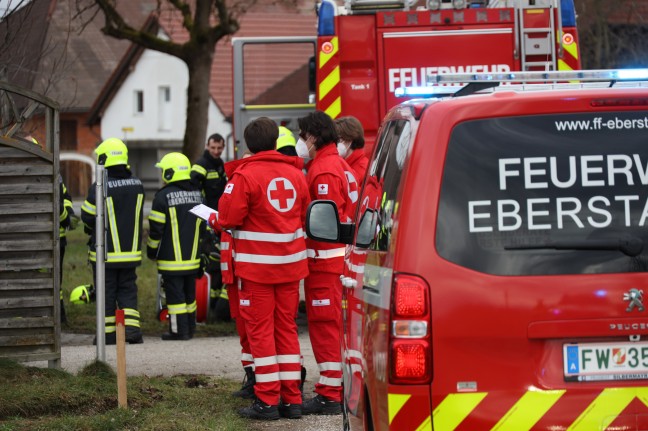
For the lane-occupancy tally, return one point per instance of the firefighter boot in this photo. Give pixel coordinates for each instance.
(247, 389)
(181, 323)
(260, 410)
(320, 405)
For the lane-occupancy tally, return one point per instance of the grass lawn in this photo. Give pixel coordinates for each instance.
(81, 318)
(48, 399)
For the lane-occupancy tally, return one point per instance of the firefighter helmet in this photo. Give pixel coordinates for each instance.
(286, 138)
(175, 167)
(84, 294)
(112, 152)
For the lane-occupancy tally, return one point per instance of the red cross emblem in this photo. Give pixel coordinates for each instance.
(281, 194)
(352, 187)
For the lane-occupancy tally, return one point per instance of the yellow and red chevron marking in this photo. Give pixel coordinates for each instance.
(329, 91)
(573, 410)
(570, 60)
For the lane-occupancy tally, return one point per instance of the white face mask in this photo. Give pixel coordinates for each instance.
(343, 149)
(302, 149)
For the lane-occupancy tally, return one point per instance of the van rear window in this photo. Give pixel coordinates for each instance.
(548, 194)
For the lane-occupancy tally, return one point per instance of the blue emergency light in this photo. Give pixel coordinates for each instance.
(568, 13)
(326, 18)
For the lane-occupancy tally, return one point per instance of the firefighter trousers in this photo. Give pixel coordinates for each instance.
(269, 314)
(121, 291)
(247, 360)
(323, 291)
(180, 293)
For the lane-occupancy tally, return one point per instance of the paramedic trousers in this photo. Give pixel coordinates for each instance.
(269, 314)
(121, 290)
(246, 354)
(180, 293)
(323, 292)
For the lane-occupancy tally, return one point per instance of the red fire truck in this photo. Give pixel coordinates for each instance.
(366, 49)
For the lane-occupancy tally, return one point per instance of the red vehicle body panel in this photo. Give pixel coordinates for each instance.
(496, 340)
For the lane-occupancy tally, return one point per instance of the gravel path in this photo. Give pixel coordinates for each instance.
(214, 356)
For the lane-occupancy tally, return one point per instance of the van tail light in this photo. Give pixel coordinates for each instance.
(410, 352)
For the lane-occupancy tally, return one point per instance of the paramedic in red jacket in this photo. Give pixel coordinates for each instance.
(351, 145)
(265, 203)
(327, 179)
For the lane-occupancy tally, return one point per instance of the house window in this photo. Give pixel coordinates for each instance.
(139, 101)
(165, 112)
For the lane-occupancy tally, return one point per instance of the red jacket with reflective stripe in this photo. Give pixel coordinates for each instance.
(264, 204)
(328, 178)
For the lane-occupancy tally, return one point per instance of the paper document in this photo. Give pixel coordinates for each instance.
(203, 211)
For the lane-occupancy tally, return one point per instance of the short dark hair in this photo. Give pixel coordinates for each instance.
(261, 135)
(319, 125)
(350, 129)
(216, 137)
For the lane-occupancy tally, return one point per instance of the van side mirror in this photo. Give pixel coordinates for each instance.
(323, 223)
(367, 228)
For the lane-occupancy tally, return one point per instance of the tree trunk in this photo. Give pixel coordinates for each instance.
(195, 137)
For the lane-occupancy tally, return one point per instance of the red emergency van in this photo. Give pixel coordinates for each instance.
(498, 259)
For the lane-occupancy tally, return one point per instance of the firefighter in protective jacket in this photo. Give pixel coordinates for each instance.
(265, 203)
(124, 213)
(208, 175)
(174, 240)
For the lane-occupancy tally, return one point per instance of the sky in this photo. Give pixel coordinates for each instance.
(5, 5)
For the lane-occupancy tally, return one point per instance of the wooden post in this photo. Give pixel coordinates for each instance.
(121, 359)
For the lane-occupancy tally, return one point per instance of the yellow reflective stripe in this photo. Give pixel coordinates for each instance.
(223, 294)
(124, 257)
(153, 243)
(528, 410)
(89, 208)
(138, 207)
(571, 49)
(110, 329)
(323, 57)
(454, 409)
(426, 425)
(63, 215)
(157, 216)
(191, 308)
(131, 312)
(606, 407)
(177, 308)
(132, 322)
(171, 265)
(395, 402)
(329, 82)
(196, 239)
(67, 203)
(199, 169)
(110, 319)
(112, 220)
(175, 234)
(334, 108)
(564, 66)
(212, 175)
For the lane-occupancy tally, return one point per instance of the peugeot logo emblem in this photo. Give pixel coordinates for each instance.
(635, 296)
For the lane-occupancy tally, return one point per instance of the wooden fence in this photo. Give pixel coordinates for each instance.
(29, 228)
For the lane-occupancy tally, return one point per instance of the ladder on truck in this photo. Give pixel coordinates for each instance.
(538, 29)
(538, 24)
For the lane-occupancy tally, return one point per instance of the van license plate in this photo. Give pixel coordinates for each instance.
(591, 362)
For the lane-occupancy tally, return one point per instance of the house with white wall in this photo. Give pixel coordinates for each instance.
(145, 105)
